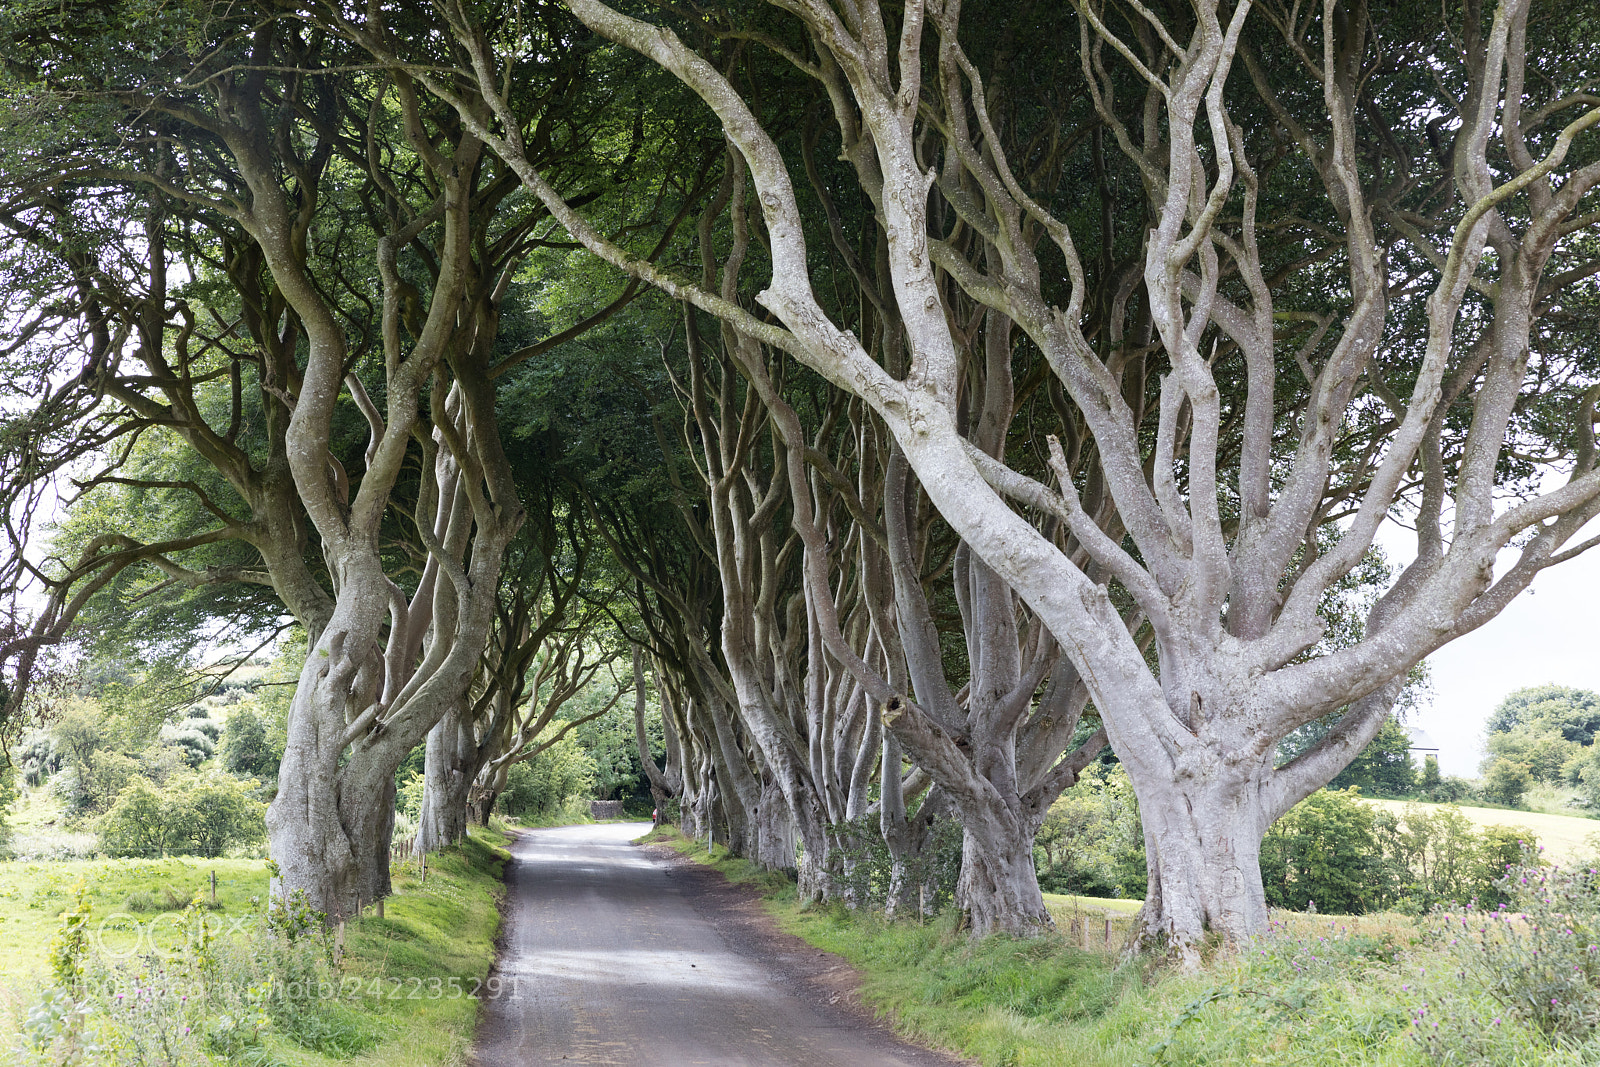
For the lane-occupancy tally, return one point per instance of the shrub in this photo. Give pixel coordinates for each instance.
(90, 786)
(199, 816)
(140, 823)
(543, 784)
(219, 813)
(1352, 859)
(1325, 851)
(195, 739)
(1451, 790)
(245, 749)
(408, 797)
(1538, 955)
(1091, 840)
(1506, 782)
(1430, 775)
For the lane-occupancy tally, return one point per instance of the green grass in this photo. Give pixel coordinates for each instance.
(1316, 990)
(1564, 837)
(387, 1013)
(443, 927)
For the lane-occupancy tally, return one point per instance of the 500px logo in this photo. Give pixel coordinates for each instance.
(121, 936)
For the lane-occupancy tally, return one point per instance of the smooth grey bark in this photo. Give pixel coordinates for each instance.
(1229, 610)
(450, 766)
(665, 781)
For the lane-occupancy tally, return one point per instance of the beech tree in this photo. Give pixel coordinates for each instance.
(357, 246)
(1380, 216)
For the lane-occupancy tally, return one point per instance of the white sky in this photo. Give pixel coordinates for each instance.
(1548, 634)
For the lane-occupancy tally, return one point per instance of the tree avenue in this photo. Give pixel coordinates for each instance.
(1386, 351)
(1018, 381)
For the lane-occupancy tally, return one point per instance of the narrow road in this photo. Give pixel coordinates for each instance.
(616, 954)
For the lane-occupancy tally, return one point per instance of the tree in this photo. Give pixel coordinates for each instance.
(139, 823)
(245, 749)
(1573, 713)
(214, 813)
(1384, 767)
(241, 152)
(1505, 782)
(1430, 775)
(1439, 345)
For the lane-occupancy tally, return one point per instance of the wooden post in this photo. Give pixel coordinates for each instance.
(213, 889)
(1108, 934)
(380, 907)
(338, 942)
(422, 863)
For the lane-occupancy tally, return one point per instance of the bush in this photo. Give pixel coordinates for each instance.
(1348, 858)
(1091, 840)
(1324, 851)
(1506, 782)
(202, 816)
(141, 823)
(195, 738)
(92, 785)
(1384, 767)
(1451, 790)
(245, 749)
(543, 784)
(1430, 780)
(1536, 955)
(218, 814)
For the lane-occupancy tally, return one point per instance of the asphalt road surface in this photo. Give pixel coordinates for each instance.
(620, 954)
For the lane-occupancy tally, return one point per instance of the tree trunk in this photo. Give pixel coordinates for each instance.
(775, 845)
(998, 890)
(491, 782)
(330, 834)
(448, 770)
(1203, 846)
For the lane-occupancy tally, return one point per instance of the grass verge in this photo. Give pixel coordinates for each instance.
(401, 991)
(1381, 990)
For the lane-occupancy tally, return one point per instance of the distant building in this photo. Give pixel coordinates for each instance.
(1422, 746)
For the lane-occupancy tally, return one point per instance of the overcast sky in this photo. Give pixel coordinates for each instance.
(1548, 634)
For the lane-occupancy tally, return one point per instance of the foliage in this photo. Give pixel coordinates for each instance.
(1506, 782)
(867, 864)
(1347, 858)
(1536, 955)
(202, 815)
(1429, 781)
(245, 748)
(1091, 840)
(544, 783)
(1324, 851)
(140, 823)
(37, 757)
(1572, 713)
(609, 741)
(71, 941)
(408, 796)
(8, 797)
(1384, 767)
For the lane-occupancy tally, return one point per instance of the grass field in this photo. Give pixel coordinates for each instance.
(1313, 991)
(1564, 837)
(397, 977)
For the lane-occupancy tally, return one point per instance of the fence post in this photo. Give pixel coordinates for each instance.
(213, 889)
(1108, 933)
